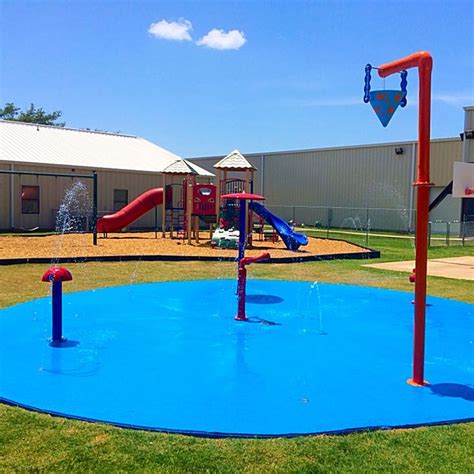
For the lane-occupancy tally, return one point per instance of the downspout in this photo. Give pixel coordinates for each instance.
(464, 149)
(412, 188)
(262, 180)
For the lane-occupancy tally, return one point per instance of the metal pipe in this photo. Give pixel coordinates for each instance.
(57, 335)
(242, 283)
(412, 188)
(94, 208)
(12, 197)
(242, 229)
(424, 62)
(163, 209)
(41, 173)
(241, 290)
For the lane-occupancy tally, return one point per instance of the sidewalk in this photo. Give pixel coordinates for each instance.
(461, 268)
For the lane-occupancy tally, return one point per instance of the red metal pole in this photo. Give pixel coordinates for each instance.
(424, 62)
(241, 316)
(242, 282)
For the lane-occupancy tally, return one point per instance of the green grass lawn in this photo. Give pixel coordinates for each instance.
(32, 442)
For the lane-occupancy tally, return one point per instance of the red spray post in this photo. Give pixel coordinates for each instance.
(242, 283)
(56, 275)
(424, 62)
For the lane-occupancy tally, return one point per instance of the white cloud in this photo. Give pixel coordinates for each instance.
(219, 39)
(172, 30)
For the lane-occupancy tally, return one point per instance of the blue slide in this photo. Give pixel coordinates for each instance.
(292, 239)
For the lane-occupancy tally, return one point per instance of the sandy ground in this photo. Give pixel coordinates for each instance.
(80, 245)
(461, 268)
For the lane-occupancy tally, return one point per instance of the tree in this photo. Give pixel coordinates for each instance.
(30, 115)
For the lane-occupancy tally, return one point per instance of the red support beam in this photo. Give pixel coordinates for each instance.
(424, 62)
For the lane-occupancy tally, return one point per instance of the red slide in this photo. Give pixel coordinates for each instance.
(131, 212)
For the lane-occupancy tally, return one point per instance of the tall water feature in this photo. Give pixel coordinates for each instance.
(73, 215)
(401, 210)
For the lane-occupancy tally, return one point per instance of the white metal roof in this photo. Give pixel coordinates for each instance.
(27, 143)
(234, 160)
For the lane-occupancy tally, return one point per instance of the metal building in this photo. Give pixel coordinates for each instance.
(356, 186)
(352, 187)
(126, 166)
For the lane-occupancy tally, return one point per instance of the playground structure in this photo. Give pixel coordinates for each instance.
(187, 203)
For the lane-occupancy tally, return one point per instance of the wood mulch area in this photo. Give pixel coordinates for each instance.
(121, 244)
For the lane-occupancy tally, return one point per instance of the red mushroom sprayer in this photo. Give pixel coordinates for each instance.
(56, 275)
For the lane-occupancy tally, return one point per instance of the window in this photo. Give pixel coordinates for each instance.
(30, 199)
(120, 199)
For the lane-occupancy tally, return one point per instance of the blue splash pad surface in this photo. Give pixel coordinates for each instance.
(169, 356)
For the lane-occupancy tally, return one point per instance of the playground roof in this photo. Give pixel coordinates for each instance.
(184, 167)
(234, 161)
(26, 143)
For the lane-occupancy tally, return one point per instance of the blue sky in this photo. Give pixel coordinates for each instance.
(294, 79)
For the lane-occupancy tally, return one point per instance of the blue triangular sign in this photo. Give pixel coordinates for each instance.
(385, 103)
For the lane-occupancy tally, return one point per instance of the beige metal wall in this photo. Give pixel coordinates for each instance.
(469, 118)
(443, 154)
(448, 210)
(52, 192)
(468, 145)
(357, 178)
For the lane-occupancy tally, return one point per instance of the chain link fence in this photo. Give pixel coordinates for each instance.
(446, 233)
(358, 224)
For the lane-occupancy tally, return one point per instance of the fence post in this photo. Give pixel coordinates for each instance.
(329, 222)
(367, 219)
(448, 230)
(429, 234)
(94, 208)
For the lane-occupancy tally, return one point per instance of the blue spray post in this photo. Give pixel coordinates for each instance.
(56, 276)
(242, 228)
(243, 197)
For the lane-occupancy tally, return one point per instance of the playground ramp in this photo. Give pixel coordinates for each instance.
(131, 212)
(292, 239)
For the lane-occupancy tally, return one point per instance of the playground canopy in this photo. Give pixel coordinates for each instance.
(234, 161)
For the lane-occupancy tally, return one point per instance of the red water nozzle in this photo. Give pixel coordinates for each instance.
(469, 191)
(412, 277)
(248, 260)
(57, 274)
(243, 281)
